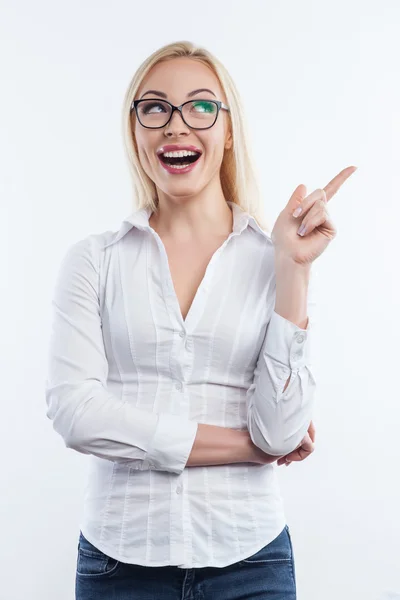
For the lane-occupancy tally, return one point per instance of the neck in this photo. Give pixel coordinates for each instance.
(188, 217)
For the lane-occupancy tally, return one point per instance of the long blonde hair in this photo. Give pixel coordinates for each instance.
(238, 173)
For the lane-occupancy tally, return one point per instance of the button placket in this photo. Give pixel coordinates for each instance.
(186, 339)
(184, 353)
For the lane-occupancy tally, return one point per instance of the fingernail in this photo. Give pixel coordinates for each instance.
(297, 212)
(301, 230)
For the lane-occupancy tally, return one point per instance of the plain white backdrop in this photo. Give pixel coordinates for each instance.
(320, 84)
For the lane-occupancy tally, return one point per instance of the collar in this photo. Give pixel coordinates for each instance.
(140, 220)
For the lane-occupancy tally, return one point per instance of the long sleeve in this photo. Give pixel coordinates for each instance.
(89, 418)
(278, 420)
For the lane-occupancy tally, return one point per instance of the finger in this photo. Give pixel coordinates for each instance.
(313, 220)
(332, 187)
(293, 457)
(311, 431)
(297, 197)
(282, 461)
(310, 212)
(300, 453)
(306, 445)
(304, 206)
(307, 448)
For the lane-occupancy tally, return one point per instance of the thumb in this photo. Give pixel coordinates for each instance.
(297, 197)
(306, 444)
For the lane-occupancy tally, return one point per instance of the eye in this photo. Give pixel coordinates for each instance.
(203, 106)
(147, 108)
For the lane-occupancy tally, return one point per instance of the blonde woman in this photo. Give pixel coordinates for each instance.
(179, 356)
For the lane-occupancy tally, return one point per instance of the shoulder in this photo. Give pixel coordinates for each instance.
(87, 250)
(262, 234)
(260, 241)
(92, 243)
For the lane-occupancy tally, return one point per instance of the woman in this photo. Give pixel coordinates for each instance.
(179, 357)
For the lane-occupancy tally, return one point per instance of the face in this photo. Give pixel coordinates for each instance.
(176, 78)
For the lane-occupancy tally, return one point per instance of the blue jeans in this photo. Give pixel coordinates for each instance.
(267, 575)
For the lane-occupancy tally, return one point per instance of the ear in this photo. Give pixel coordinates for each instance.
(228, 141)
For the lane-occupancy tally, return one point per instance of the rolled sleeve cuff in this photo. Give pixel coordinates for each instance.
(287, 343)
(172, 443)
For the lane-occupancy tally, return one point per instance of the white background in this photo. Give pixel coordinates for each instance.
(320, 83)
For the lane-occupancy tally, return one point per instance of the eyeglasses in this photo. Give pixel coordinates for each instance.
(197, 114)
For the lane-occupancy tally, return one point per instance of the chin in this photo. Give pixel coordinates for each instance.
(181, 192)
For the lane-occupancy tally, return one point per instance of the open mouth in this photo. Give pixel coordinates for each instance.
(180, 159)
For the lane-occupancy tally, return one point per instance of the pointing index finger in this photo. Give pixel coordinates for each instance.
(332, 187)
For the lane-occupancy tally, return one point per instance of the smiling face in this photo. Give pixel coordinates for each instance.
(176, 80)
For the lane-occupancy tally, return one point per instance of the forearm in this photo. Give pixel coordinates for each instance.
(291, 293)
(280, 400)
(215, 445)
(292, 282)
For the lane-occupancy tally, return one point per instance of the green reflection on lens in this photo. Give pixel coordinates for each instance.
(207, 106)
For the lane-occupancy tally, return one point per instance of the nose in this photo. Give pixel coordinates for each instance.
(176, 126)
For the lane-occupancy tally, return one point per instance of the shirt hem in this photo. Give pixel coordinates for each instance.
(194, 565)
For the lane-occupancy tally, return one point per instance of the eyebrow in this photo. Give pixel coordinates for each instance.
(189, 95)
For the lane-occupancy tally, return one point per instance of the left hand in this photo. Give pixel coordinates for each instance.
(305, 448)
(314, 216)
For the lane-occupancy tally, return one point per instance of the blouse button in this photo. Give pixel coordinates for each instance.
(182, 334)
(300, 338)
(178, 386)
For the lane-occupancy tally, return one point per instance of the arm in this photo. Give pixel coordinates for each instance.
(88, 417)
(221, 446)
(292, 289)
(281, 398)
(93, 421)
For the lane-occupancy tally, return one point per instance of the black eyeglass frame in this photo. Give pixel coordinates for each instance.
(220, 105)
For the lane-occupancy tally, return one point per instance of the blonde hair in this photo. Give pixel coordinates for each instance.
(238, 172)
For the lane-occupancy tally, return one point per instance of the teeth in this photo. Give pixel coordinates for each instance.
(180, 153)
(178, 166)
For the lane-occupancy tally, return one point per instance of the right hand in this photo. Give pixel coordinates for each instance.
(303, 450)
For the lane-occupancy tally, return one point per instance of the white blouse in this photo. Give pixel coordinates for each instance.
(129, 380)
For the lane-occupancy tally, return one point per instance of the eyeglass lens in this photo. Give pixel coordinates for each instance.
(198, 113)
